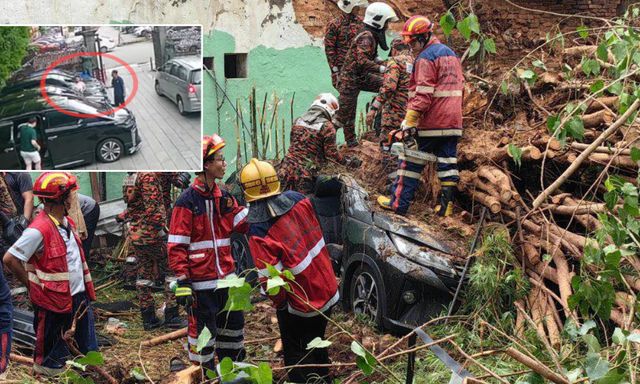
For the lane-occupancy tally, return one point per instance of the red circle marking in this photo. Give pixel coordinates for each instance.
(43, 84)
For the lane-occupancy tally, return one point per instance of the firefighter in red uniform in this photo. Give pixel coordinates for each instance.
(59, 281)
(435, 111)
(285, 233)
(199, 246)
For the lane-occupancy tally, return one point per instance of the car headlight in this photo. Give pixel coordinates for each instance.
(409, 297)
(426, 258)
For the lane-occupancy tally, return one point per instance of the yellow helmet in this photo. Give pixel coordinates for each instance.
(259, 180)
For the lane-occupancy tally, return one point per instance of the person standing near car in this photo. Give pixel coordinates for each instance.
(57, 274)
(285, 233)
(199, 245)
(118, 88)
(29, 147)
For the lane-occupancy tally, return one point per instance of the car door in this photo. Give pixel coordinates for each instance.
(175, 73)
(163, 78)
(69, 140)
(9, 156)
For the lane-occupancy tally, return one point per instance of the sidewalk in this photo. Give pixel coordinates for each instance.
(170, 141)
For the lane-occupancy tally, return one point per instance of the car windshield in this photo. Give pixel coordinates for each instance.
(196, 77)
(84, 106)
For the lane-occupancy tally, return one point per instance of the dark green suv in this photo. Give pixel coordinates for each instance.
(66, 141)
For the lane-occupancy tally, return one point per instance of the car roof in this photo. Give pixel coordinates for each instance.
(191, 62)
(31, 100)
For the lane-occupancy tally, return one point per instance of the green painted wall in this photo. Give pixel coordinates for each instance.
(303, 71)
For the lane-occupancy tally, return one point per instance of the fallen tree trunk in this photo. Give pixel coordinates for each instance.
(599, 103)
(615, 160)
(535, 366)
(596, 119)
(21, 359)
(165, 338)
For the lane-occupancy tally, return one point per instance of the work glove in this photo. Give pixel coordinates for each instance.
(410, 121)
(22, 223)
(353, 162)
(182, 180)
(184, 294)
(383, 69)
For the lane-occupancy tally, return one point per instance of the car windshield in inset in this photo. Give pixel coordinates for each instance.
(196, 77)
(84, 106)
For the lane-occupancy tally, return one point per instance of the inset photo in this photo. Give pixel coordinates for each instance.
(101, 97)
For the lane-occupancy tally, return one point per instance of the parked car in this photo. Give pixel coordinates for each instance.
(180, 79)
(66, 141)
(107, 44)
(143, 31)
(55, 77)
(389, 268)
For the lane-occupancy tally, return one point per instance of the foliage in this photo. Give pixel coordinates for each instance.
(469, 28)
(13, 45)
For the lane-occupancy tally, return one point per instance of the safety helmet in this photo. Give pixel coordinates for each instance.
(347, 5)
(328, 102)
(211, 145)
(259, 180)
(398, 44)
(416, 25)
(54, 185)
(377, 15)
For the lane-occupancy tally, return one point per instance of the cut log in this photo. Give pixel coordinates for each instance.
(559, 198)
(545, 140)
(165, 338)
(582, 146)
(586, 50)
(487, 200)
(190, 375)
(529, 152)
(616, 161)
(596, 119)
(599, 103)
(575, 209)
(535, 366)
(21, 359)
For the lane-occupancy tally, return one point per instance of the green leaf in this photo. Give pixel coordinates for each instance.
(615, 88)
(272, 270)
(464, 28)
(231, 281)
(239, 298)
(635, 154)
(227, 371)
(574, 375)
(75, 364)
(318, 343)
(539, 64)
(634, 338)
(364, 360)
(582, 31)
(91, 358)
(489, 45)
(474, 48)
(137, 374)
(260, 375)
(274, 284)
(552, 123)
(618, 337)
(504, 87)
(597, 86)
(592, 342)
(590, 66)
(586, 327)
(447, 22)
(203, 339)
(358, 349)
(602, 52)
(211, 374)
(474, 25)
(528, 74)
(595, 366)
(515, 153)
(288, 275)
(575, 128)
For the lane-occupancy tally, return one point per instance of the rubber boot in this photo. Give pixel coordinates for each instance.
(445, 201)
(173, 320)
(149, 319)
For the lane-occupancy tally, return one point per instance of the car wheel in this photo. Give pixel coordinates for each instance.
(158, 88)
(242, 257)
(110, 150)
(181, 106)
(365, 295)
(103, 49)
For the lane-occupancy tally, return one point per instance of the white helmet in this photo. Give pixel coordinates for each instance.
(377, 15)
(347, 5)
(328, 102)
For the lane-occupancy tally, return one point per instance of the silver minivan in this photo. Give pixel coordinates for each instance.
(180, 79)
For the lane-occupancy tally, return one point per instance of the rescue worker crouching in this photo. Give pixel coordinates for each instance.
(285, 233)
(199, 247)
(312, 145)
(56, 272)
(362, 70)
(338, 36)
(435, 112)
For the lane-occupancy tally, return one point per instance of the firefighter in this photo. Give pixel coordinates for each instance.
(285, 233)
(204, 216)
(167, 180)
(362, 71)
(435, 110)
(339, 34)
(56, 272)
(147, 231)
(391, 100)
(313, 144)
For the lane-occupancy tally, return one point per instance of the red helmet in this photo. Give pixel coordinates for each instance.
(211, 145)
(54, 185)
(416, 25)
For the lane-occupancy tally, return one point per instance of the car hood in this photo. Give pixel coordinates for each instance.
(401, 227)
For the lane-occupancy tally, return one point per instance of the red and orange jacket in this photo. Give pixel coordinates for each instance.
(435, 91)
(199, 243)
(294, 241)
(48, 270)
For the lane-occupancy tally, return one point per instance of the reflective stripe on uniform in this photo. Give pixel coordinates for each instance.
(177, 239)
(194, 341)
(209, 244)
(412, 159)
(240, 216)
(230, 332)
(265, 272)
(59, 276)
(131, 259)
(455, 93)
(451, 172)
(200, 358)
(439, 132)
(424, 89)
(315, 251)
(328, 305)
(229, 345)
(202, 285)
(448, 160)
(409, 174)
(144, 283)
(87, 278)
